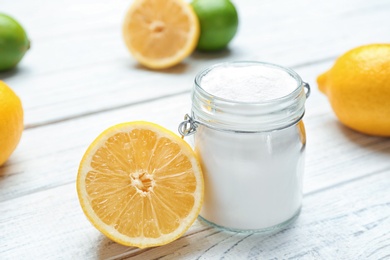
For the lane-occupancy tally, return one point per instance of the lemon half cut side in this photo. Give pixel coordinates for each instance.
(140, 184)
(160, 34)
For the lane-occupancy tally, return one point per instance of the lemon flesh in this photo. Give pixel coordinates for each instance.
(160, 34)
(140, 184)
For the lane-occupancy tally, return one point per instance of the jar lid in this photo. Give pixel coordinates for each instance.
(226, 111)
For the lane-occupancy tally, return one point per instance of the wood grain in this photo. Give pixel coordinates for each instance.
(77, 51)
(48, 156)
(342, 222)
(47, 172)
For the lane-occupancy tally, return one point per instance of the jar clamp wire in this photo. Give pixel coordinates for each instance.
(251, 153)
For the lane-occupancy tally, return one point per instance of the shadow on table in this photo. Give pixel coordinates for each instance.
(108, 249)
(178, 69)
(373, 143)
(194, 244)
(10, 73)
(5, 169)
(201, 55)
(185, 65)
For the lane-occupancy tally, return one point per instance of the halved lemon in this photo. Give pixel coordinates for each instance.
(140, 184)
(161, 33)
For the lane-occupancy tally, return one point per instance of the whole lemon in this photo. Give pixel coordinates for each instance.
(11, 121)
(218, 23)
(358, 88)
(13, 42)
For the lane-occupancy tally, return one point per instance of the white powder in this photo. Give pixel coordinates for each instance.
(249, 83)
(252, 181)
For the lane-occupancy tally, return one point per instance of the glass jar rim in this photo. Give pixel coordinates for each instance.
(238, 116)
(292, 73)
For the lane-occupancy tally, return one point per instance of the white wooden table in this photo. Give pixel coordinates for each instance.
(79, 79)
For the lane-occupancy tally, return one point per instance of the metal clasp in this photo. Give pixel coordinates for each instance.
(188, 126)
(307, 87)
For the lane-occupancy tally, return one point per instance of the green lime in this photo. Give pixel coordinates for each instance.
(218, 23)
(13, 42)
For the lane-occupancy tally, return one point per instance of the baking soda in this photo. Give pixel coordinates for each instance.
(252, 181)
(248, 84)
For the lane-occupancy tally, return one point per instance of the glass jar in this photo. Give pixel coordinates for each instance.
(251, 153)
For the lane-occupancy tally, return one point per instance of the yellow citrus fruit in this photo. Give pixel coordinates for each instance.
(140, 184)
(358, 88)
(160, 33)
(11, 121)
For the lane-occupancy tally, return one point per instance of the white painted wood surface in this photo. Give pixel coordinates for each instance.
(78, 79)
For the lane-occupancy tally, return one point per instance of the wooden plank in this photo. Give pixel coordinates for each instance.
(349, 221)
(49, 156)
(78, 63)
